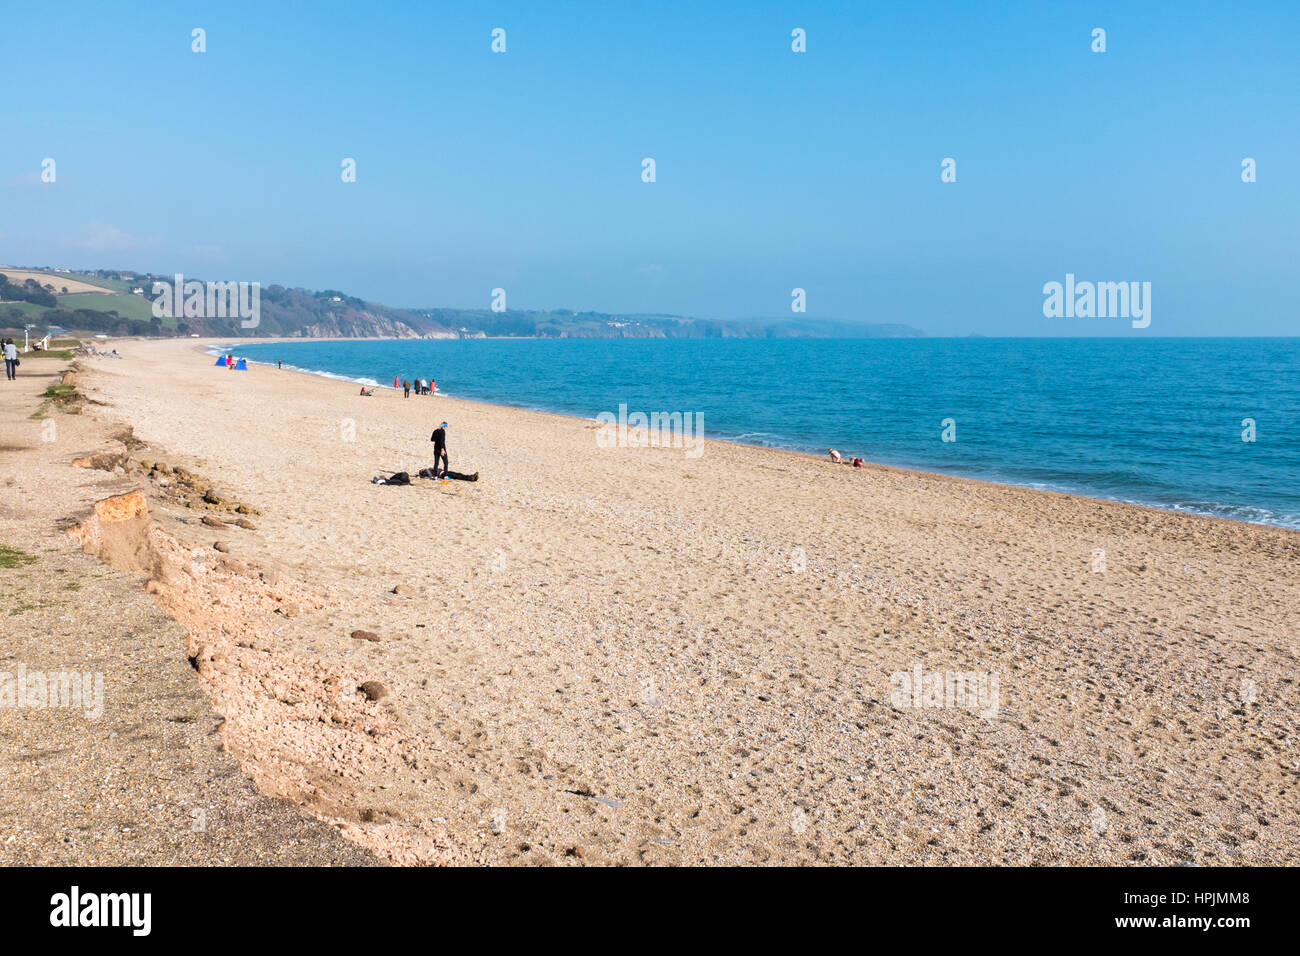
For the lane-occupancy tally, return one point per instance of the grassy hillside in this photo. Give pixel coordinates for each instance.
(29, 310)
(107, 282)
(131, 306)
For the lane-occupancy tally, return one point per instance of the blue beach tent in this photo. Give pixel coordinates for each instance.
(240, 366)
(221, 361)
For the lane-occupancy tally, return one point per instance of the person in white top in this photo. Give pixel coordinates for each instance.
(11, 360)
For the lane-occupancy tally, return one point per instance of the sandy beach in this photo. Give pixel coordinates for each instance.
(634, 656)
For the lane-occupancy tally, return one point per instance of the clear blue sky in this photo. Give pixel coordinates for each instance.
(775, 169)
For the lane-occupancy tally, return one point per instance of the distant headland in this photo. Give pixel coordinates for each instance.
(121, 302)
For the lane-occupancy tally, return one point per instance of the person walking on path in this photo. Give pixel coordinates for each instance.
(11, 360)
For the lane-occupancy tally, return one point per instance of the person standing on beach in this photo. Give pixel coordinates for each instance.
(406, 387)
(11, 360)
(441, 464)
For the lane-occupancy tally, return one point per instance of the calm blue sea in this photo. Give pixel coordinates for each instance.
(1155, 421)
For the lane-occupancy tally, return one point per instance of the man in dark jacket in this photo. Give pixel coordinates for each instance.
(440, 461)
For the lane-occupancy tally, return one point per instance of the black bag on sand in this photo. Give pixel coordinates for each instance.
(401, 478)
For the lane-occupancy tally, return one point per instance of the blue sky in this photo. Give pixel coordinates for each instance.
(775, 170)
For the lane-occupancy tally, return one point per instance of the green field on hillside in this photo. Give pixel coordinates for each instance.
(130, 306)
(26, 308)
(117, 285)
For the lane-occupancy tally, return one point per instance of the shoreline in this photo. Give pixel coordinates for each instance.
(817, 456)
(626, 656)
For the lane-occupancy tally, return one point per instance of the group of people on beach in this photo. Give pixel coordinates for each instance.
(421, 386)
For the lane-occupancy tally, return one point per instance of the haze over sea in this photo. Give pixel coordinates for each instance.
(1155, 421)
